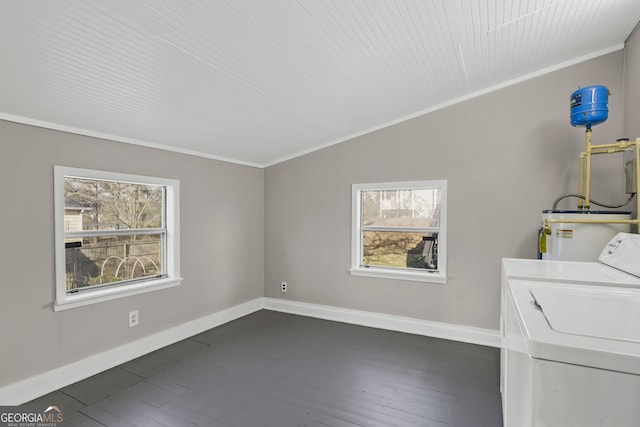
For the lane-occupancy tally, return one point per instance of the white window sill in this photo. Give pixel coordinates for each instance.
(383, 273)
(106, 294)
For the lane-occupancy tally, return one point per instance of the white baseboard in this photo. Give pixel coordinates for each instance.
(468, 334)
(30, 388)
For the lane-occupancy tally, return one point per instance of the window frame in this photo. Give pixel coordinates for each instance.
(357, 269)
(170, 243)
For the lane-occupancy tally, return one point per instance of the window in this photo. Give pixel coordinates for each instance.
(399, 230)
(115, 235)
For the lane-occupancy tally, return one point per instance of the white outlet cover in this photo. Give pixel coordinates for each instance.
(134, 318)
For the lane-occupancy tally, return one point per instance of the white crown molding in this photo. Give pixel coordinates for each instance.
(446, 104)
(116, 138)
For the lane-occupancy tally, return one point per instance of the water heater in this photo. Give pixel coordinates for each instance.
(579, 241)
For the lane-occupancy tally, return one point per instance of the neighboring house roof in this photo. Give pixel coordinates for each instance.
(73, 204)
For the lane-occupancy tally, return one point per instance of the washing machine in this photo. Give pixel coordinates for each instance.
(545, 371)
(572, 355)
(617, 270)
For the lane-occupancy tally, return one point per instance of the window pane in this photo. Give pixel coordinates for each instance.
(109, 205)
(401, 208)
(399, 249)
(107, 260)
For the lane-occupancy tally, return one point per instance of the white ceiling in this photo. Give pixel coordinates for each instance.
(261, 81)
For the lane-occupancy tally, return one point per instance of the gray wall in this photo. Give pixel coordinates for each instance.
(507, 155)
(632, 90)
(222, 244)
(632, 85)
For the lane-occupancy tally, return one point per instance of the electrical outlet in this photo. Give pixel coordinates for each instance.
(283, 286)
(134, 319)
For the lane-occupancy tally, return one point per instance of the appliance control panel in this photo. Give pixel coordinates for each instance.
(623, 253)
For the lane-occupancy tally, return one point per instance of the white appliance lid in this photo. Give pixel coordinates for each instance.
(586, 325)
(567, 272)
(591, 312)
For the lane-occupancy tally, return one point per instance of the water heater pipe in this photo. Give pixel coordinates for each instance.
(587, 172)
(581, 181)
(585, 176)
(584, 186)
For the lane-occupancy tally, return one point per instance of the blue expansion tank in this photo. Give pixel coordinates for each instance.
(589, 106)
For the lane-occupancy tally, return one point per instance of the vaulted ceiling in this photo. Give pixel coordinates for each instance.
(260, 81)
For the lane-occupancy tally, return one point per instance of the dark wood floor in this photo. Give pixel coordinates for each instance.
(275, 369)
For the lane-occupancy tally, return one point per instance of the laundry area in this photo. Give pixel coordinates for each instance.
(570, 321)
